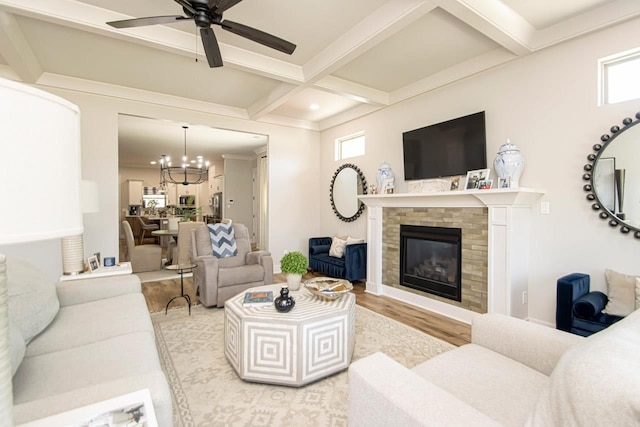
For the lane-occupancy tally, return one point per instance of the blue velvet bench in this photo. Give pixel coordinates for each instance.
(353, 266)
(578, 310)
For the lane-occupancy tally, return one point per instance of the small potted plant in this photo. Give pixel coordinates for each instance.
(294, 265)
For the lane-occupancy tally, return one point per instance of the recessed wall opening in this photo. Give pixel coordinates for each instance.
(430, 260)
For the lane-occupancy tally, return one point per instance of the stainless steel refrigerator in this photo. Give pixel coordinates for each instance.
(216, 207)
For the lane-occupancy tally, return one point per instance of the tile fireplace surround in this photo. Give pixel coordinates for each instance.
(496, 220)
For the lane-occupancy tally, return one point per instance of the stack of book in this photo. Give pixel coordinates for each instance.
(258, 299)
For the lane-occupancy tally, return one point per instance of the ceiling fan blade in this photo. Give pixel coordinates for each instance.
(187, 6)
(151, 20)
(211, 48)
(259, 36)
(222, 5)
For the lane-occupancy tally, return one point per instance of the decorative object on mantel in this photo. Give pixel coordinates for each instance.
(284, 303)
(606, 171)
(386, 179)
(429, 185)
(475, 177)
(509, 164)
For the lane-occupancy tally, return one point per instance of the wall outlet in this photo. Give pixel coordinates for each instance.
(525, 297)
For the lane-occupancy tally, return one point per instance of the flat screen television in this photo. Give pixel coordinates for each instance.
(445, 149)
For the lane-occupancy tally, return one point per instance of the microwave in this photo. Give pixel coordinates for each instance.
(188, 200)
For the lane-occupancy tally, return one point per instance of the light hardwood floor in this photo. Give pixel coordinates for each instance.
(449, 330)
(158, 293)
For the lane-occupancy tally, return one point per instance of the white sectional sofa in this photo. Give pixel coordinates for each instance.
(79, 342)
(514, 373)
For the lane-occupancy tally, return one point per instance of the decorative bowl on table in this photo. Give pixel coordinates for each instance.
(328, 288)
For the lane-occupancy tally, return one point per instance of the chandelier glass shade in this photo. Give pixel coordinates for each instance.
(187, 172)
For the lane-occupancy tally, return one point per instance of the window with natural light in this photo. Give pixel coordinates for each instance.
(620, 77)
(350, 146)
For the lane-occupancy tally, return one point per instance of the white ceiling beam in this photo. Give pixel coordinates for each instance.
(452, 74)
(354, 91)
(346, 116)
(379, 25)
(382, 23)
(137, 95)
(595, 19)
(495, 20)
(278, 96)
(15, 49)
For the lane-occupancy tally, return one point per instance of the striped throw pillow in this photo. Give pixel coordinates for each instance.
(223, 240)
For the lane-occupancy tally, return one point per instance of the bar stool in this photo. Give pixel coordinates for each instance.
(144, 227)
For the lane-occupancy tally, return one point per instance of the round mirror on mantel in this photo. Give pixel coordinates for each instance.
(613, 173)
(346, 185)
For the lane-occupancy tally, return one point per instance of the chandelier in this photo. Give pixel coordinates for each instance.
(184, 174)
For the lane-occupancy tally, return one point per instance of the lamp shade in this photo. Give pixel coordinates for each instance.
(40, 172)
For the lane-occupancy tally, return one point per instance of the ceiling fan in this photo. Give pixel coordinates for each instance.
(206, 13)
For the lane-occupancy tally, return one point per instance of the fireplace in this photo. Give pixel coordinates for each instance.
(430, 260)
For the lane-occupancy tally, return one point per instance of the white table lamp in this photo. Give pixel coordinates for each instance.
(40, 148)
(73, 246)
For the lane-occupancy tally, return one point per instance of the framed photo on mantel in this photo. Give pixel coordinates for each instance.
(475, 177)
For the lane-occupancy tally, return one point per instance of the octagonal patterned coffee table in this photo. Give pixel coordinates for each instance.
(315, 339)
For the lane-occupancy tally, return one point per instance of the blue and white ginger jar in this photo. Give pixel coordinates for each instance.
(509, 163)
(385, 178)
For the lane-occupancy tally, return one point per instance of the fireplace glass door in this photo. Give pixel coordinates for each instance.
(430, 260)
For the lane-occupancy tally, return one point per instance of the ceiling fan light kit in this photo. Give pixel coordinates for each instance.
(206, 13)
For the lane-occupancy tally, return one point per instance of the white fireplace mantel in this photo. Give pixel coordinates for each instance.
(508, 250)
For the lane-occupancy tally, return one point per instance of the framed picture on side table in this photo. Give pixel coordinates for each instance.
(93, 263)
(474, 177)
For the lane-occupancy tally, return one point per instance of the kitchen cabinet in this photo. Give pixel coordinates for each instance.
(216, 185)
(172, 194)
(134, 192)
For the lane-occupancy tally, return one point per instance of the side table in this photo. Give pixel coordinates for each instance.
(181, 269)
(116, 270)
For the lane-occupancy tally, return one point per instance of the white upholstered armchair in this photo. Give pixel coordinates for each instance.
(218, 279)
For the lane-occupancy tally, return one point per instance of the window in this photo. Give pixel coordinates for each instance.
(619, 77)
(350, 146)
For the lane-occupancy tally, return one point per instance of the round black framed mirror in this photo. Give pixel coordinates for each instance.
(613, 173)
(346, 185)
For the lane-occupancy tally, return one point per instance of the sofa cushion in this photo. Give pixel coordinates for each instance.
(496, 385)
(33, 302)
(597, 379)
(337, 247)
(621, 293)
(223, 241)
(17, 347)
(237, 275)
(59, 381)
(353, 240)
(319, 249)
(589, 305)
(82, 324)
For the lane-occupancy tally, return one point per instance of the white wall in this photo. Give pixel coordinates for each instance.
(238, 187)
(546, 103)
(293, 153)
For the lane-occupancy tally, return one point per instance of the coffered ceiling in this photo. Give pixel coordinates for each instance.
(352, 57)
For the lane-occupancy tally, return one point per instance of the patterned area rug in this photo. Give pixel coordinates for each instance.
(207, 391)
